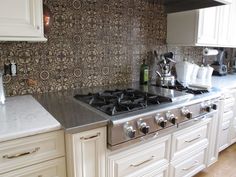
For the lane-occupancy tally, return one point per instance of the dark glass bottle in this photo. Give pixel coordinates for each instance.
(144, 73)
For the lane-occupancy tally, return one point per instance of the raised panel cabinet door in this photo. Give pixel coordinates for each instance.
(208, 26)
(86, 153)
(21, 20)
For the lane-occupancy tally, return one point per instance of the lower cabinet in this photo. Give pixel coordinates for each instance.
(41, 155)
(189, 166)
(86, 153)
(147, 158)
(53, 168)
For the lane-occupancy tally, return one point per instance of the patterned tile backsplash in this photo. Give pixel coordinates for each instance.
(91, 43)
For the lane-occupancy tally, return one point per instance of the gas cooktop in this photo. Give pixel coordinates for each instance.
(118, 101)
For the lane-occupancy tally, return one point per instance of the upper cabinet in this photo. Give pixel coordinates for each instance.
(213, 26)
(21, 20)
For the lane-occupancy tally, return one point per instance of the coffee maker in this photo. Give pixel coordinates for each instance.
(219, 68)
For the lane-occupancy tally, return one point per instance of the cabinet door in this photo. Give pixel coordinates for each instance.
(208, 26)
(21, 20)
(224, 140)
(86, 153)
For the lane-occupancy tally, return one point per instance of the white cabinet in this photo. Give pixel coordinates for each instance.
(21, 20)
(52, 168)
(86, 153)
(213, 26)
(34, 156)
(208, 21)
(138, 161)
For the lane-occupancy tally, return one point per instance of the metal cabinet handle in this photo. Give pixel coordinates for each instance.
(146, 161)
(194, 139)
(21, 154)
(91, 137)
(225, 129)
(196, 163)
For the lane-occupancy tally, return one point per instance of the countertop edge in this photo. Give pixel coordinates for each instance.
(29, 133)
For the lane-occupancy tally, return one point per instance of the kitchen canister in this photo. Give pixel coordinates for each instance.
(202, 72)
(184, 71)
(194, 72)
(209, 72)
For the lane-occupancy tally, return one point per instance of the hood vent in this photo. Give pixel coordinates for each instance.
(184, 5)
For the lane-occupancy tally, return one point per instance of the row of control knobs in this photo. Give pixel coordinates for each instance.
(160, 120)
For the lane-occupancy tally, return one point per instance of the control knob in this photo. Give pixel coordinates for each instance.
(171, 117)
(129, 130)
(161, 121)
(187, 113)
(143, 127)
(214, 106)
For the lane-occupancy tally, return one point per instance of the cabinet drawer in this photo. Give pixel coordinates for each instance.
(127, 162)
(52, 168)
(30, 150)
(224, 135)
(188, 167)
(229, 102)
(191, 137)
(151, 172)
(228, 115)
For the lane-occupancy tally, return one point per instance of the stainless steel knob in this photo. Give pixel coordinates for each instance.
(185, 111)
(171, 117)
(129, 130)
(143, 127)
(161, 121)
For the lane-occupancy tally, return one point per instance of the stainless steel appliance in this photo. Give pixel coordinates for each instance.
(219, 68)
(164, 77)
(145, 112)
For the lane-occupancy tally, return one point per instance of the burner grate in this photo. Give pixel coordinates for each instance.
(114, 102)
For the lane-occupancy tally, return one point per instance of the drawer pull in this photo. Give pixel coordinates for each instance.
(146, 161)
(225, 129)
(91, 137)
(194, 139)
(21, 154)
(196, 163)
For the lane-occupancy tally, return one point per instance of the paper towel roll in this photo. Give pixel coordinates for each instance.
(210, 52)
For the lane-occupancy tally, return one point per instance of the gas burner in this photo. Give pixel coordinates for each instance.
(181, 88)
(113, 102)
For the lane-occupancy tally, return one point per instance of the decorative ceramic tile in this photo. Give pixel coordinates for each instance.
(91, 43)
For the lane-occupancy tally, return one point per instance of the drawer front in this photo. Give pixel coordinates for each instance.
(189, 167)
(229, 103)
(30, 150)
(151, 172)
(224, 135)
(188, 138)
(148, 154)
(228, 115)
(52, 168)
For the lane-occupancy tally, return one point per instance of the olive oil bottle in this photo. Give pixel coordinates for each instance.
(144, 73)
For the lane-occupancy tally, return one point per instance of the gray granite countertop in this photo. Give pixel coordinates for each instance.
(76, 116)
(72, 114)
(224, 82)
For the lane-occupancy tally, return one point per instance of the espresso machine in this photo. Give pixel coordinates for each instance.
(220, 69)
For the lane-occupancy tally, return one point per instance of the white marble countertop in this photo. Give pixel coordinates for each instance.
(23, 116)
(224, 82)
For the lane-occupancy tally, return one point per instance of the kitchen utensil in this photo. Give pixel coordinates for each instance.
(2, 94)
(165, 81)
